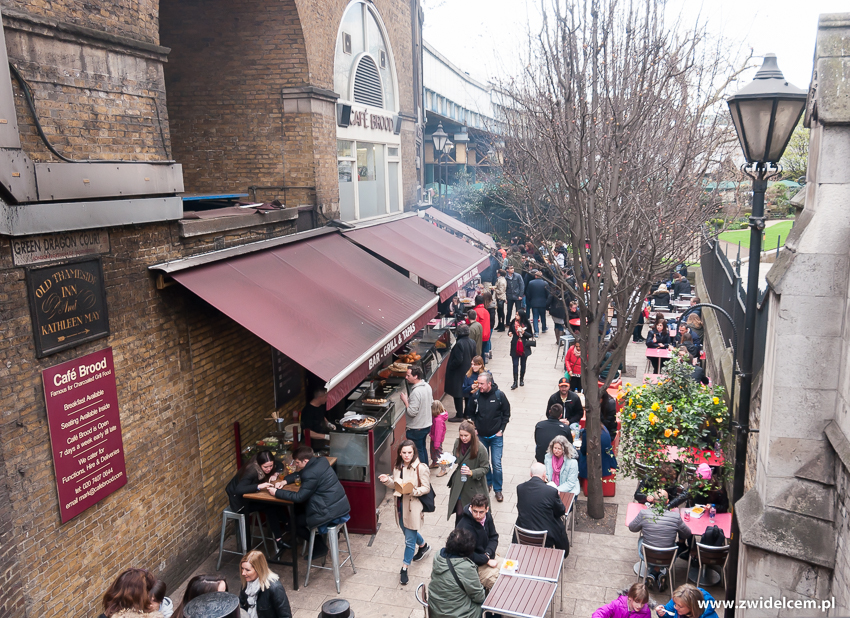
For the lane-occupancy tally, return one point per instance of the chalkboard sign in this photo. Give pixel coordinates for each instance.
(288, 379)
(68, 305)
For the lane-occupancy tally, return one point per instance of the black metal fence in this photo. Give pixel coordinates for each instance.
(725, 288)
(502, 225)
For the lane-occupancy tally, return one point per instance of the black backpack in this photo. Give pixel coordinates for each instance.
(713, 536)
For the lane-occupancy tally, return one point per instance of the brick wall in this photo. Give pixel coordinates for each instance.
(94, 99)
(135, 19)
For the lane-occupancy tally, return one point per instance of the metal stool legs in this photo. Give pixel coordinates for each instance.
(242, 538)
(333, 548)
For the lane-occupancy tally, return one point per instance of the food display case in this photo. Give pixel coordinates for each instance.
(363, 453)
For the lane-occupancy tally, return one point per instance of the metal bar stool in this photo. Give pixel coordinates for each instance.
(333, 548)
(242, 535)
(563, 342)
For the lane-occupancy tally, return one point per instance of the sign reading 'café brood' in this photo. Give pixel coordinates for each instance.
(68, 305)
(85, 431)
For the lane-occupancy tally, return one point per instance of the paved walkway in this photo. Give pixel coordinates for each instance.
(598, 565)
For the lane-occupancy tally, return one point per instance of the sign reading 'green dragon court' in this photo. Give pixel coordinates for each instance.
(68, 305)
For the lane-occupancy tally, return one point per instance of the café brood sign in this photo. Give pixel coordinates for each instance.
(85, 431)
(68, 305)
(368, 120)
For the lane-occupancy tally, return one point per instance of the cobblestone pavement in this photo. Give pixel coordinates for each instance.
(596, 569)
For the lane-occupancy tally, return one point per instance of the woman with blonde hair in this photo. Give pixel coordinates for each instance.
(262, 594)
(689, 602)
(414, 480)
(561, 463)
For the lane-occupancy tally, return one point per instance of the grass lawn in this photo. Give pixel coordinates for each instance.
(770, 235)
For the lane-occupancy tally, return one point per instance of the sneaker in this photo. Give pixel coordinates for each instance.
(650, 582)
(662, 580)
(420, 553)
(403, 577)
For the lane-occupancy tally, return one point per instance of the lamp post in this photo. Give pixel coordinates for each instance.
(765, 113)
(447, 148)
(439, 138)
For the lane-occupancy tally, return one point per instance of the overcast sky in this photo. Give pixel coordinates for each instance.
(482, 37)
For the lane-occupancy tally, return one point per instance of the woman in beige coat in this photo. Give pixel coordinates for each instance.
(410, 479)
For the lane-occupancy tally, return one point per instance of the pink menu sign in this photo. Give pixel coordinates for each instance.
(85, 431)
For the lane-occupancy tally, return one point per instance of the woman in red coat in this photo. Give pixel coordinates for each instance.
(572, 363)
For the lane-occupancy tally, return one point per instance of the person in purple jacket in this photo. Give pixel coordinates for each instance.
(634, 602)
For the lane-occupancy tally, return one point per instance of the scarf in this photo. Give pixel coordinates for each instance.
(463, 449)
(557, 464)
(251, 591)
(520, 348)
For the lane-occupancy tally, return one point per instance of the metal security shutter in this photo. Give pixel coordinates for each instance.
(367, 83)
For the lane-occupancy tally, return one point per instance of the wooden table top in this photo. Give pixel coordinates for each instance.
(567, 499)
(520, 596)
(697, 526)
(536, 562)
(265, 496)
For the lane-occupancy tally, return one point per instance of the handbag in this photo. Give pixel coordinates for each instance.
(428, 500)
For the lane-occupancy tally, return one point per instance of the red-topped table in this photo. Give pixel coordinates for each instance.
(575, 323)
(662, 353)
(518, 596)
(708, 457)
(697, 526)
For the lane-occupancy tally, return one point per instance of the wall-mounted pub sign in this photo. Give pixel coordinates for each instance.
(67, 304)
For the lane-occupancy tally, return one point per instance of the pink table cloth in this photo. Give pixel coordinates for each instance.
(697, 526)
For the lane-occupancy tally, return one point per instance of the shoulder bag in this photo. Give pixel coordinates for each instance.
(427, 500)
(454, 574)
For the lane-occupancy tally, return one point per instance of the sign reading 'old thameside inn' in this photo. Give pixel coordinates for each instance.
(68, 305)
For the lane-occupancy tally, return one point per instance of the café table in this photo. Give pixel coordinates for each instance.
(542, 568)
(697, 527)
(654, 378)
(575, 322)
(709, 457)
(680, 304)
(569, 501)
(265, 496)
(662, 353)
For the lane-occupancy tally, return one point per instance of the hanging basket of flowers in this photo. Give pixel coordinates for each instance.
(675, 421)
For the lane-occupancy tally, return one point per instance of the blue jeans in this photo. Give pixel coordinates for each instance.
(485, 347)
(538, 312)
(418, 436)
(412, 538)
(494, 445)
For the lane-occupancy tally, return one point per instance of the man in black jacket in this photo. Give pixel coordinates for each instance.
(539, 507)
(321, 491)
(491, 413)
(536, 296)
(477, 519)
(546, 431)
(514, 292)
(571, 402)
(460, 360)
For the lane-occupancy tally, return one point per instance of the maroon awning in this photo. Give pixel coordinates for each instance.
(327, 304)
(460, 227)
(423, 249)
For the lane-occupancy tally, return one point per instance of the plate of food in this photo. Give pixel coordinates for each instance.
(446, 459)
(359, 422)
(697, 512)
(509, 567)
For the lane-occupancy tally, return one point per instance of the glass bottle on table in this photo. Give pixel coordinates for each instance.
(712, 511)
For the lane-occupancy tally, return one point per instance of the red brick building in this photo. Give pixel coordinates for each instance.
(111, 112)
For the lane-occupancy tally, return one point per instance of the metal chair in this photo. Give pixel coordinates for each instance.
(564, 342)
(242, 535)
(333, 550)
(659, 556)
(422, 597)
(711, 555)
(537, 538)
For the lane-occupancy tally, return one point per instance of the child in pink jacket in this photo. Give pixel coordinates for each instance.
(632, 603)
(438, 433)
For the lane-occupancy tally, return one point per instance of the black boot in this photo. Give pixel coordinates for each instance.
(514, 385)
(522, 380)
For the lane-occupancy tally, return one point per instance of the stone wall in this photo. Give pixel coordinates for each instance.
(96, 97)
(841, 577)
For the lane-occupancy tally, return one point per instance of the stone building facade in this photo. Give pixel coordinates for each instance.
(794, 516)
(98, 81)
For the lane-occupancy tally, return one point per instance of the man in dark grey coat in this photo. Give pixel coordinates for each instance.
(321, 491)
(460, 360)
(514, 292)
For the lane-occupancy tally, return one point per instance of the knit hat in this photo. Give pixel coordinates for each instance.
(704, 471)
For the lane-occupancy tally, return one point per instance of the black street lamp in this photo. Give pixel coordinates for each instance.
(765, 113)
(439, 138)
(447, 148)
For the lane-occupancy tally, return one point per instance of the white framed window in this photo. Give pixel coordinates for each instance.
(369, 179)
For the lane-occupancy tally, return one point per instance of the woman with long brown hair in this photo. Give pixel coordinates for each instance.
(254, 476)
(198, 585)
(410, 480)
(129, 595)
(470, 475)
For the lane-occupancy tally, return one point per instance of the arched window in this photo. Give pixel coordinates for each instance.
(364, 71)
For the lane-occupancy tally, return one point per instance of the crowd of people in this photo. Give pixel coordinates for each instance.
(515, 298)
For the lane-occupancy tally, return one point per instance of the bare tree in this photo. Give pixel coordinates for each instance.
(608, 136)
